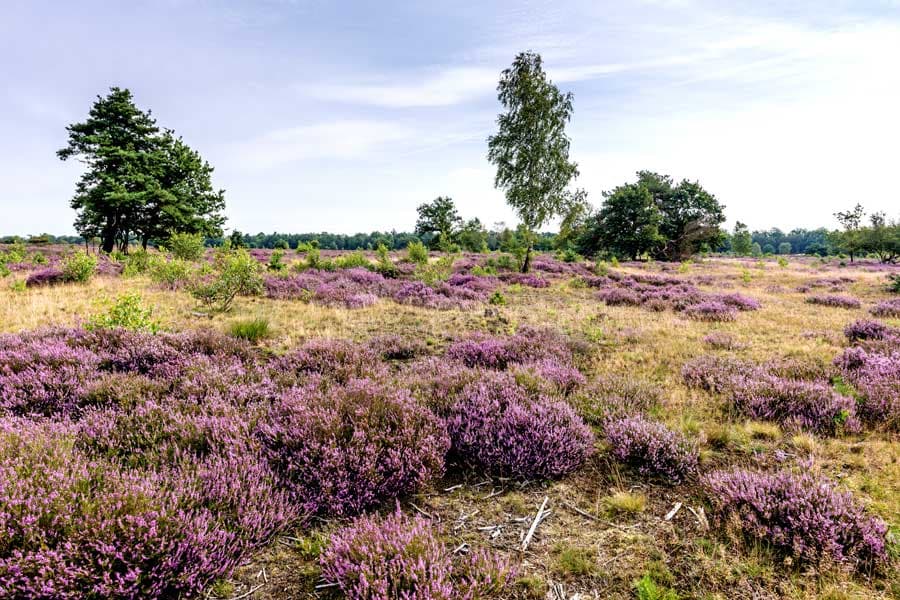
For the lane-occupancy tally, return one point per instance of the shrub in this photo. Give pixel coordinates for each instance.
(350, 448)
(385, 265)
(496, 427)
(127, 312)
(834, 300)
(186, 246)
(417, 253)
(651, 448)
(887, 308)
(76, 528)
(171, 274)
(875, 376)
(647, 589)
(801, 514)
(239, 275)
(45, 277)
(276, 261)
(402, 557)
(252, 330)
(795, 404)
(711, 310)
(137, 262)
(79, 267)
(17, 285)
(713, 373)
(436, 272)
(353, 260)
(894, 283)
(497, 299)
(869, 330)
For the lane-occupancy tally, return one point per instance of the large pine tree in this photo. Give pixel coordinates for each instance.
(139, 182)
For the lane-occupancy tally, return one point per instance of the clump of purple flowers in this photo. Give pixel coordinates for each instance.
(346, 449)
(869, 330)
(713, 373)
(801, 514)
(496, 426)
(834, 300)
(887, 308)
(711, 310)
(384, 558)
(652, 448)
(45, 277)
(874, 373)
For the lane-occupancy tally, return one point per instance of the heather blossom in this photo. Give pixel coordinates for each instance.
(651, 448)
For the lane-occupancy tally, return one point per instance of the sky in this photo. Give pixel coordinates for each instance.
(344, 116)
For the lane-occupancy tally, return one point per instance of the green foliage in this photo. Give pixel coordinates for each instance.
(782, 262)
(473, 236)
(236, 240)
(79, 267)
(572, 561)
(484, 271)
(139, 181)
(784, 248)
(627, 224)
(170, 273)
(186, 246)
(137, 263)
(17, 285)
(238, 275)
(741, 240)
(755, 250)
(276, 261)
(531, 132)
(281, 244)
(353, 260)
(568, 254)
(647, 589)
(436, 272)
(894, 283)
(38, 259)
(252, 330)
(417, 253)
(126, 312)
(4, 271)
(385, 265)
(497, 298)
(438, 220)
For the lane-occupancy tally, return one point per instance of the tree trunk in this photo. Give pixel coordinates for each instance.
(527, 264)
(109, 241)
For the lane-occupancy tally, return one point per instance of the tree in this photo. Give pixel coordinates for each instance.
(690, 216)
(626, 225)
(139, 181)
(784, 248)
(438, 219)
(741, 240)
(531, 148)
(473, 236)
(574, 220)
(882, 238)
(850, 240)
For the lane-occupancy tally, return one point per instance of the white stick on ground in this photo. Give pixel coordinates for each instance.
(534, 524)
(671, 514)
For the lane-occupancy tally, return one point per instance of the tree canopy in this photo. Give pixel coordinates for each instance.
(438, 221)
(140, 182)
(531, 149)
(626, 225)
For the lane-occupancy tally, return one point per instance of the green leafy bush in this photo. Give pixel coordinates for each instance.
(497, 298)
(171, 274)
(137, 263)
(17, 285)
(385, 265)
(647, 589)
(353, 260)
(436, 272)
(894, 283)
(239, 275)
(186, 246)
(126, 312)
(276, 261)
(416, 253)
(79, 267)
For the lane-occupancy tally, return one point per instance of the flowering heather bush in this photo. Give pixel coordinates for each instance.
(527, 345)
(711, 310)
(45, 277)
(875, 375)
(801, 514)
(403, 557)
(334, 360)
(619, 297)
(713, 373)
(869, 330)
(496, 426)
(549, 377)
(806, 368)
(739, 301)
(722, 341)
(395, 347)
(614, 396)
(525, 279)
(887, 308)
(652, 448)
(350, 448)
(76, 528)
(834, 300)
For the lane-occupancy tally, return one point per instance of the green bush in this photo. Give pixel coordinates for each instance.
(417, 253)
(385, 265)
(352, 260)
(17, 285)
(276, 261)
(170, 273)
(38, 259)
(281, 244)
(647, 589)
(497, 298)
(127, 312)
(252, 330)
(436, 272)
(79, 267)
(894, 283)
(239, 275)
(137, 263)
(485, 271)
(4, 270)
(186, 246)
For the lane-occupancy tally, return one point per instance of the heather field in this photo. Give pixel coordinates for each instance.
(371, 425)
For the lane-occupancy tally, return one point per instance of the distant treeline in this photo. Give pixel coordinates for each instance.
(802, 241)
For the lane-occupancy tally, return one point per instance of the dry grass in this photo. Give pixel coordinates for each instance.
(625, 536)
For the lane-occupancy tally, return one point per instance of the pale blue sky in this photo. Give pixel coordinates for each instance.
(344, 116)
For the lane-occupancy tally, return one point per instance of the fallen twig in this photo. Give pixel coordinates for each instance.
(419, 510)
(247, 593)
(671, 514)
(534, 524)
